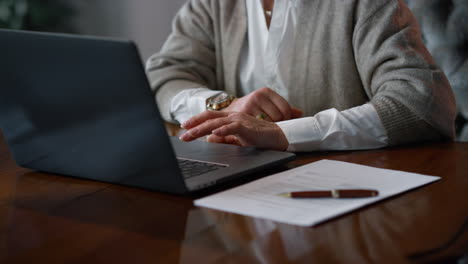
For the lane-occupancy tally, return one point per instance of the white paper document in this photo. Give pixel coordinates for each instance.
(260, 198)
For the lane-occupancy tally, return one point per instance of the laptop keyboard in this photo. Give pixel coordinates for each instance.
(192, 168)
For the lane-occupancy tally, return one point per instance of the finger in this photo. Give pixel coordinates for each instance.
(216, 139)
(271, 110)
(261, 103)
(239, 134)
(253, 108)
(281, 104)
(204, 128)
(233, 140)
(200, 118)
(253, 132)
(296, 112)
(228, 130)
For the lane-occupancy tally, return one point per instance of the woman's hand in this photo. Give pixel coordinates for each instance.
(264, 101)
(235, 128)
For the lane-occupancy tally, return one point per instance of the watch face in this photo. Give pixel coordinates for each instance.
(219, 101)
(222, 97)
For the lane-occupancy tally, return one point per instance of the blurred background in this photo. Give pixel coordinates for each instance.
(147, 22)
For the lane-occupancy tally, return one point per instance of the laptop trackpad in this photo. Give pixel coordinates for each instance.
(217, 153)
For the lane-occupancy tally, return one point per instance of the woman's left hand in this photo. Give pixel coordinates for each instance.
(235, 128)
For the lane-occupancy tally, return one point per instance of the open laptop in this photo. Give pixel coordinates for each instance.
(82, 107)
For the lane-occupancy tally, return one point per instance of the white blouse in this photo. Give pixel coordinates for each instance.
(263, 62)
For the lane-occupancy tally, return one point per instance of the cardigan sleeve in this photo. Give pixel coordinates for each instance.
(410, 93)
(187, 59)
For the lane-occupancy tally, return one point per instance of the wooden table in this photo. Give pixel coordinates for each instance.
(46, 218)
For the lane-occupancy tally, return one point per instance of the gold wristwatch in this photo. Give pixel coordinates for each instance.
(219, 101)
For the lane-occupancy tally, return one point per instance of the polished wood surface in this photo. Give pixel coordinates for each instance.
(46, 218)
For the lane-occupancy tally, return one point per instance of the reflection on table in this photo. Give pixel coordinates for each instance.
(58, 219)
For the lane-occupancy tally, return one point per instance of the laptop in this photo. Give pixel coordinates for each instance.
(82, 107)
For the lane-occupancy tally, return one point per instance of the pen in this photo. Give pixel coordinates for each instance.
(338, 193)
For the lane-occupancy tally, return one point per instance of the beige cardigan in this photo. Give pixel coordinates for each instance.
(348, 52)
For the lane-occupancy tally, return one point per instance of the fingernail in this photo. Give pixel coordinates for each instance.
(190, 134)
(183, 137)
(186, 137)
(184, 124)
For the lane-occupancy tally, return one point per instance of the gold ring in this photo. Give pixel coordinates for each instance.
(261, 116)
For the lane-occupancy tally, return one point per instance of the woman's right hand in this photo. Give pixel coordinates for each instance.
(267, 102)
(235, 128)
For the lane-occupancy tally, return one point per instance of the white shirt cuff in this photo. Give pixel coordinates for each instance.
(190, 102)
(356, 128)
(303, 134)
